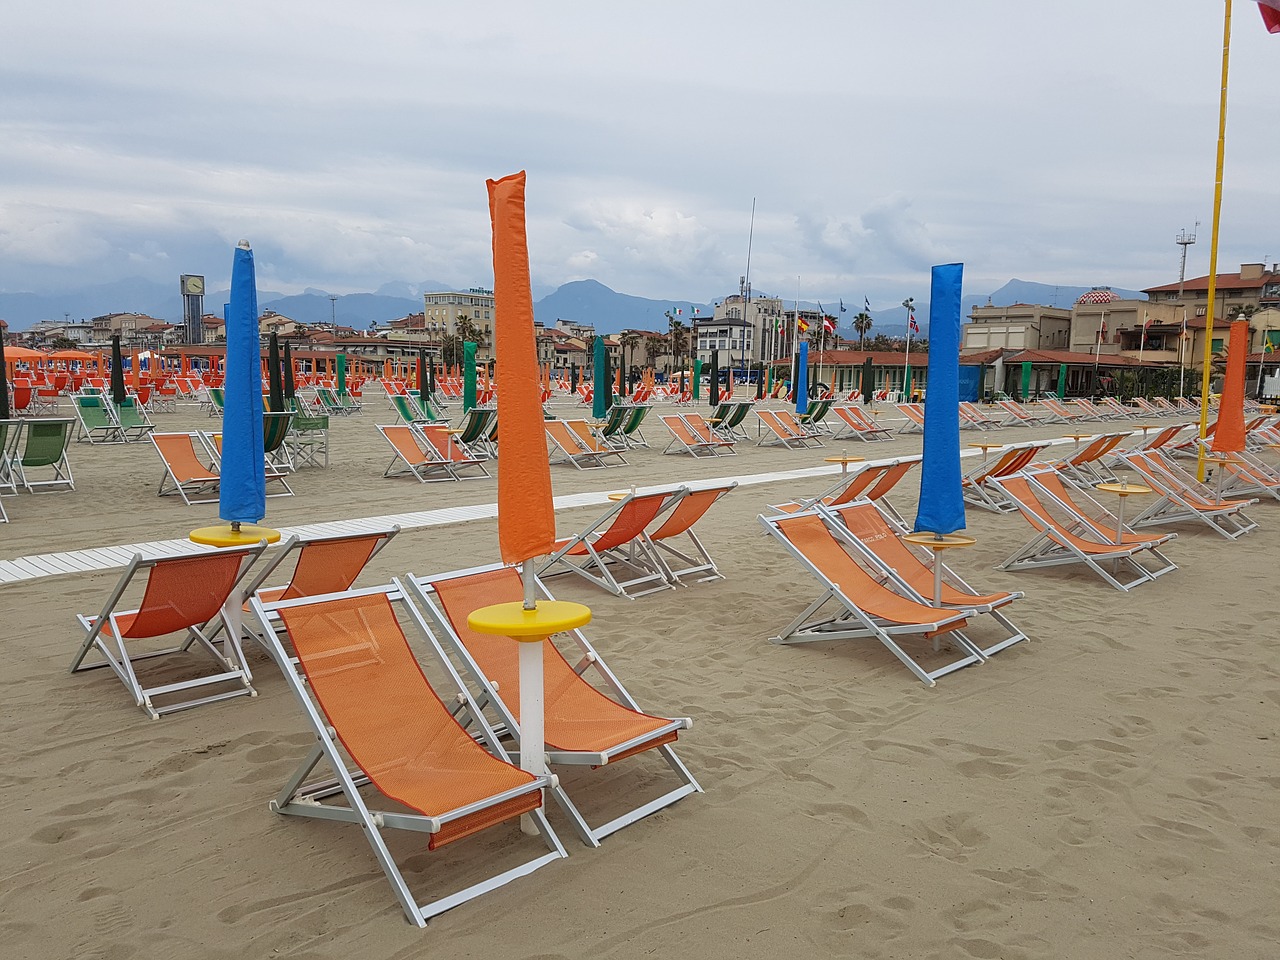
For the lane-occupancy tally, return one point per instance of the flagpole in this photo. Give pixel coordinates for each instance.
(1142, 340)
(909, 303)
(795, 342)
(1213, 240)
(1182, 363)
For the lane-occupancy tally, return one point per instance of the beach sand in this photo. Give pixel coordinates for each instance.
(1107, 790)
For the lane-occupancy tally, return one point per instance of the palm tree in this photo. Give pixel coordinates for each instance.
(629, 342)
(679, 337)
(862, 324)
(451, 349)
(653, 348)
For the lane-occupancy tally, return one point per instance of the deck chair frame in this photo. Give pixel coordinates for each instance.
(187, 486)
(43, 442)
(445, 642)
(103, 635)
(851, 621)
(302, 796)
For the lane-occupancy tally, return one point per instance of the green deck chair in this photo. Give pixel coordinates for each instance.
(275, 431)
(474, 426)
(611, 430)
(217, 400)
(308, 440)
(133, 420)
(96, 420)
(631, 434)
(409, 410)
(44, 444)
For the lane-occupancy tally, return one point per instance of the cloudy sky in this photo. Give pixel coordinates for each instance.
(1059, 142)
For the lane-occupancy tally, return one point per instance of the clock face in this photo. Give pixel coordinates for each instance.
(195, 285)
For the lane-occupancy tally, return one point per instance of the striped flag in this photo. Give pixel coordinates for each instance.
(866, 304)
(828, 324)
(911, 323)
(802, 324)
(1270, 10)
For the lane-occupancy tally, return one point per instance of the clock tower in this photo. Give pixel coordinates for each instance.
(192, 306)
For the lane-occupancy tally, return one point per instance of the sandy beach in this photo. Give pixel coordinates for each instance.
(1105, 791)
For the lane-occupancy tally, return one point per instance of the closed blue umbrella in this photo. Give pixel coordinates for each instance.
(242, 492)
(713, 392)
(275, 386)
(117, 372)
(802, 378)
(941, 509)
(601, 386)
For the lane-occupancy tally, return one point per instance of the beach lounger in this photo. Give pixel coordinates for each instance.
(865, 608)
(585, 725)
(688, 510)
(592, 442)
(783, 430)
(271, 472)
(631, 435)
(410, 411)
(971, 416)
(614, 544)
(41, 446)
(1066, 536)
(1117, 409)
(10, 438)
(428, 454)
(96, 419)
(1180, 498)
(365, 697)
(1086, 466)
(308, 439)
(893, 560)
(568, 445)
(814, 418)
(183, 595)
(1058, 412)
(913, 417)
(186, 471)
(731, 423)
(857, 423)
(684, 439)
(1017, 414)
(132, 419)
(975, 482)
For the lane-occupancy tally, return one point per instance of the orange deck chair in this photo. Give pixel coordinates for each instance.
(859, 424)
(593, 443)
(584, 725)
(688, 510)
(913, 417)
(893, 560)
(867, 608)
(684, 440)
(567, 447)
(186, 472)
(616, 540)
(1181, 498)
(365, 697)
(184, 594)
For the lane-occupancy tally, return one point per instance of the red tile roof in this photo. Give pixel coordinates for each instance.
(1226, 281)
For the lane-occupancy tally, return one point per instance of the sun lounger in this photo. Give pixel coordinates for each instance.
(1018, 415)
(1180, 498)
(585, 725)
(1057, 411)
(183, 595)
(1065, 535)
(688, 510)
(97, 422)
(911, 571)
(976, 481)
(1086, 465)
(913, 417)
(971, 416)
(856, 422)
(576, 445)
(364, 696)
(132, 419)
(866, 608)
(1118, 410)
(270, 471)
(784, 430)
(410, 411)
(41, 445)
(684, 439)
(615, 541)
(428, 454)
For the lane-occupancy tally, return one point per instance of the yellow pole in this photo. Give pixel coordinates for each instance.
(1213, 240)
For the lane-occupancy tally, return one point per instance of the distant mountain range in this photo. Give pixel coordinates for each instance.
(584, 301)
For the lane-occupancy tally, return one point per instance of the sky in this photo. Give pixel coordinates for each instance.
(350, 143)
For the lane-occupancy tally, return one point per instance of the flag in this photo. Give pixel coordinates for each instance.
(1102, 331)
(1270, 10)
(802, 324)
(679, 311)
(842, 306)
(911, 323)
(1268, 346)
(866, 304)
(828, 324)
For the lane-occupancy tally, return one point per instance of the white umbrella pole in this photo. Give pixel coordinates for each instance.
(532, 726)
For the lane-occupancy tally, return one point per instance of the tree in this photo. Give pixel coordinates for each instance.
(451, 350)
(654, 347)
(679, 337)
(862, 324)
(629, 342)
(467, 329)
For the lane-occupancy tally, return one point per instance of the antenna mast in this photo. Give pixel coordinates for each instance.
(1185, 240)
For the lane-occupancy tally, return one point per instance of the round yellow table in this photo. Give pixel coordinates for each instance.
(1146, 427)
(227, 536)
(844, 462)
(1221, 460)
(984, 447)
(1077, 437)
(938, 542)
(1123, 490)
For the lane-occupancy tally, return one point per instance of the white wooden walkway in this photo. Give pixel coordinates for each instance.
(105, 558)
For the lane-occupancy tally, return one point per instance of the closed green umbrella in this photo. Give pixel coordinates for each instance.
(600, 379)
(275, 387)
(117, 372)
(713, 391)
(868, 379)
(697, 378)
(468, 375)
(424, 375)
(342, 374)
(1062, 380)
(289, 386)
(1026, 379)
